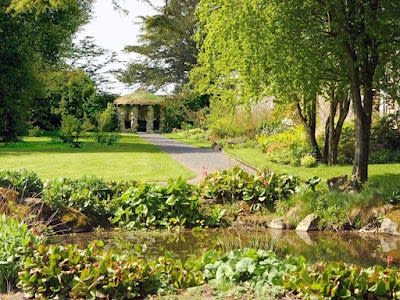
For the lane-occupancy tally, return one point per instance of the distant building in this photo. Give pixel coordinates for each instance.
(140, 112)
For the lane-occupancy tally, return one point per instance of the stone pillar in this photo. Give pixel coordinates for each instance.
(162, 119)
(121, 117)
(150, 119)
(133, 116)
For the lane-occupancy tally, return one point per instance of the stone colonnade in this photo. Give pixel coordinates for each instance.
(129, 118)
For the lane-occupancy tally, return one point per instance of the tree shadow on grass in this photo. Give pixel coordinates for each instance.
(32, 147)
(391, 181)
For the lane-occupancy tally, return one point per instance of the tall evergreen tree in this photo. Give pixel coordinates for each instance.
(166, 50)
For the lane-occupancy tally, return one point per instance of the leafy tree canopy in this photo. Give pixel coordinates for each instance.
(167, 51)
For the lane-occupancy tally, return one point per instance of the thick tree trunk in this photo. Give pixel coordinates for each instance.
(362, 113)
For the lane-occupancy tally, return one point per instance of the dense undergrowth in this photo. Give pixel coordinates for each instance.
(47, 272)
(142, 205)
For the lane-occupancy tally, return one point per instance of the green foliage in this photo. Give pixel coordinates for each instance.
(346, 144)
(385, 145)
(25, 182)
(71, 129)
(189, 109)
(58, 271)
(106, 139)
(308, 161)
(92, 273)
(77, 94)
(338, 281)
(385, 134)
(35, 131)
(286, 147)
(16, 243)
(261, 270)
(90, 195)
(385, 139)
(171, 29)
(33, 43)
(108, 119)
(261, 190)
(152, 206)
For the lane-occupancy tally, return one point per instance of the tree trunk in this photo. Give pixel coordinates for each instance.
(308, 116)
(363, 116)
(334, 131)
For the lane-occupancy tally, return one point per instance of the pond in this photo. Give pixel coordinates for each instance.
(349, 247)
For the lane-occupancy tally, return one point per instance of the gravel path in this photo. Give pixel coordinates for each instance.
(199, 160)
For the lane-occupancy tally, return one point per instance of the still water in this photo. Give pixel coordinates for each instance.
(350, 247)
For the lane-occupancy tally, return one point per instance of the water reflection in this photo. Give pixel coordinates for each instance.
(349, 247)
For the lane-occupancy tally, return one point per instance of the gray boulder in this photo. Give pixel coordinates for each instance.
(309, 223)
(389, 227)
(278, 224)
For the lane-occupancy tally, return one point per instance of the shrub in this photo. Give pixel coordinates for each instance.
(90, 195)
(106, 139)
(35, 131)
(308, 161)
(149, 205)
(384, 156)
(192, 110)
(346, 144)
(286, 147)
(385, 134)
(25, 182)
(71, 129)
(16, 243)
(108, 119)
(261, 190)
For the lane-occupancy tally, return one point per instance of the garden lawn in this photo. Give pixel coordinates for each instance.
(256, 158)
(131, 158)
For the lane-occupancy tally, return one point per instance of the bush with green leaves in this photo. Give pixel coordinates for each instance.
(308, 161)
(71, 130)
(286, 147)
(27, 183)
(35, 131)
(260, 190)
(264, 273)
(16, 243)
(108, 119)
(149, 205)
(259, 270)
(385, 133)
(342, 281)
(90, 195)
(95, 273)
(106, 139)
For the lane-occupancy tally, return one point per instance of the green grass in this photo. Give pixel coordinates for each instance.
(131, 158)
(197, 142)
(256, 158)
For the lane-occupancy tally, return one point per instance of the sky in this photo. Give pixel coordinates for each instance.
(113, 30)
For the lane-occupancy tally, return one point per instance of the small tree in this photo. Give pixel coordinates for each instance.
(71, 130)
(108, 119)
